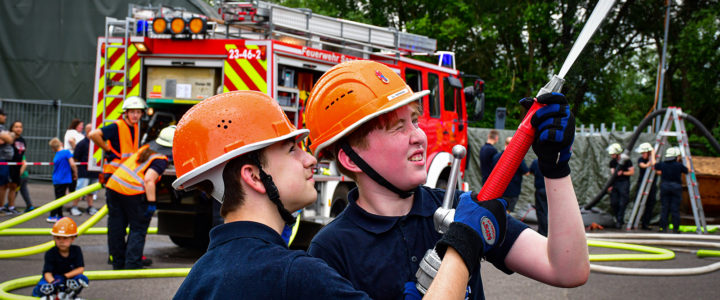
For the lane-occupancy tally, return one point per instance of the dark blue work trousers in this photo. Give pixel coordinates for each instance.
(619, 197)
(649, 206)
(541, 210)
(124, 210)
(670, 197)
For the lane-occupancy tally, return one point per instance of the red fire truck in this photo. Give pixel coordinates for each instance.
(174, 59)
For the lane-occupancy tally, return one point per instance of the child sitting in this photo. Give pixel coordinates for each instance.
(64, 265)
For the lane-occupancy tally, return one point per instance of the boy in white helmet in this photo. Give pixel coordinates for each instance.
(365, 117)
(240, 148)
(670, 171)
(620, 189)
(646, 161)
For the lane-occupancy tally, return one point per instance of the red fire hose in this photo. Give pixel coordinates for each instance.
(506, 167)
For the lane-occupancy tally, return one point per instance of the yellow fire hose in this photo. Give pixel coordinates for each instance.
(46, 231)
(662, 239)
(22, 282)
(655, 253)
(50, 206)
(46, 246)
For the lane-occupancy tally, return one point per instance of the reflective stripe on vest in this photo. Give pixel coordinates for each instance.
(128, 145)
(128, 179)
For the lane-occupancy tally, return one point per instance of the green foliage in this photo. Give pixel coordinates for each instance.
(515, 46)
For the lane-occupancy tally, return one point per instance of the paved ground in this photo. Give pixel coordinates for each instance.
(497, 284)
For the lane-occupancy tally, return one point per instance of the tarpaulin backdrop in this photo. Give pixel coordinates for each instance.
(47, 47)
(589, 164)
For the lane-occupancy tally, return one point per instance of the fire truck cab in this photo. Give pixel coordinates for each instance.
(175, 59)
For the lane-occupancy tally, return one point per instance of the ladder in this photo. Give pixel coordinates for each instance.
(673, 116)
(316, 30)
(117, 36)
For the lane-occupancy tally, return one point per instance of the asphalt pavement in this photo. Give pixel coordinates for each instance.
(497, 285)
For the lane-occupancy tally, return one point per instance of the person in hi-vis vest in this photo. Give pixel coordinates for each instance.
(131, 199)
(120, 139)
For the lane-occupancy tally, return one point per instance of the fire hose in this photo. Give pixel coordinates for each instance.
(82, 229)
(18, 283)
(657, 239)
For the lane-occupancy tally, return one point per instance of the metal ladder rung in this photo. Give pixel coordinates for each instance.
(670, 133)
(114, 71)
(114, 96)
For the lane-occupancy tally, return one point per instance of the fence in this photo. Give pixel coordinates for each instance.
(42, 120)
(601, 130)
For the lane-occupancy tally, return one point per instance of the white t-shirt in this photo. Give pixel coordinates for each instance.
(72, 134)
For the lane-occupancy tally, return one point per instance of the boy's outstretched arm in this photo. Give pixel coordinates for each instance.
(561, 259)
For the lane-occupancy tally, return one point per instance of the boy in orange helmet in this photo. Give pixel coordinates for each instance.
(64, 264)
(240, 148)
(365, 117)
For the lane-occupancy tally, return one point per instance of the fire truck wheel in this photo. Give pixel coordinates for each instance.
(441, 183)
(189, 243)
(340, 199)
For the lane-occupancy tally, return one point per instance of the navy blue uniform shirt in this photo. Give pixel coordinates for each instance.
(626, 166)
(379, 254)
(514, 187)
(81, 154)
(248, 260)
(672, 171)
(59, 265)
(486, 160)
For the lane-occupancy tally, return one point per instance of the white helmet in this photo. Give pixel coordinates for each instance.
(672, 152)
(614, 148)
(644, 147)
(134, 102)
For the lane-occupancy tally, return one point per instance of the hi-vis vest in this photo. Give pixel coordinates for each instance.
(128, 146)
(128, 179)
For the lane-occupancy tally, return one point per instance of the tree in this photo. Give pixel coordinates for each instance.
(516, 45)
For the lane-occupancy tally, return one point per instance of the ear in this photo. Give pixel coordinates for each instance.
(346, 162)
(250, 175)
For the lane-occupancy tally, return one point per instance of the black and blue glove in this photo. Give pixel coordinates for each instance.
(151, 208)
(555, 134)
(410, 292)
(478, 227)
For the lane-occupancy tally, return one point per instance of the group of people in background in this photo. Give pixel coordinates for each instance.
(130, 173)
(670, 171)
(13, 178)
(66, 175)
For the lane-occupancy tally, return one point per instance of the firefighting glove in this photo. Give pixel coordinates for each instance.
(554, 136)
(478, 227)
(151, 208)
(410, 292)
(109, 156)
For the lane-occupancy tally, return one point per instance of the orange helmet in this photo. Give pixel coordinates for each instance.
(64, 227)
(349, 95)
(221, 128)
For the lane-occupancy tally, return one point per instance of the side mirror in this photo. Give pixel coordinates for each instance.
(477, 94)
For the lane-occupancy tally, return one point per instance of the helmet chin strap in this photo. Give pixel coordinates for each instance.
(372, 173)
(274, 196)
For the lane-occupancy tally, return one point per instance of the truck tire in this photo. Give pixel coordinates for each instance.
(190, 243)
(340, 200)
